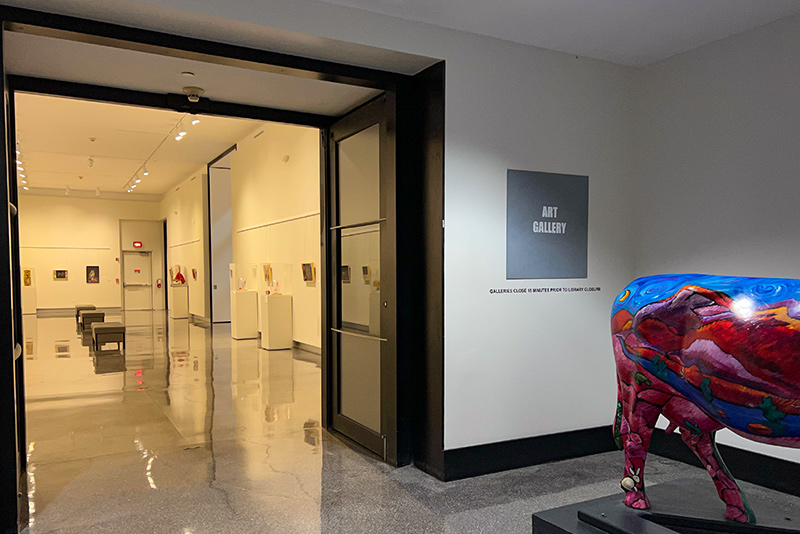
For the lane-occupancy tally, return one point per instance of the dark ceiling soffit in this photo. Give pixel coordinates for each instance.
(173, 102)
(165, 44)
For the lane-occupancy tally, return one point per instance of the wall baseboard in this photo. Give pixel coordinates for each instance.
(199, 320)
(767, 471)
(504, 455)
(306, 347)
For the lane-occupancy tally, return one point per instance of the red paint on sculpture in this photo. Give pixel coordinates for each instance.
(707, 352)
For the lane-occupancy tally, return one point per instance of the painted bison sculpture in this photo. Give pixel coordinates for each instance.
(707, 352)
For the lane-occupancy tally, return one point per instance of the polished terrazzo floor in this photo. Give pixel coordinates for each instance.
(192, 432)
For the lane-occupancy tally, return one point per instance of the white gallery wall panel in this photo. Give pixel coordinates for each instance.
(717, 172)
(275, 205)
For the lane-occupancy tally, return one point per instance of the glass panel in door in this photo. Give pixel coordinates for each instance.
(357, 339)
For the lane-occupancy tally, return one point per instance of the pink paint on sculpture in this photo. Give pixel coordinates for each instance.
(707, 352)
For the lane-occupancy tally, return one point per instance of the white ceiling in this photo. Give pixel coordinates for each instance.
(629, 32)
(54, 140)
(47, 57)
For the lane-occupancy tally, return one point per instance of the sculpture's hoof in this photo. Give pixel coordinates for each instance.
(735, 513)
(628, 484)
(637, 499)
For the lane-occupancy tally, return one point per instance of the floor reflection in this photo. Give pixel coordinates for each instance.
(188, 431)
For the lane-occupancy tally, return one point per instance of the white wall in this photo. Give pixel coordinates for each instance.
(718, 163)
(73, 233)
(185, 210)
(219, 185)
(275, 213)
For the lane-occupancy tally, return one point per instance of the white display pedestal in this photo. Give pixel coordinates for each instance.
(179, 301)
(276, 322)
(244, 314)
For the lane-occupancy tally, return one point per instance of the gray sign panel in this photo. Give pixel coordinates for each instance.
(547, 225)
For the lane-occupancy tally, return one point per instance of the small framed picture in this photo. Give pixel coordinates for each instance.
(365, 272)
(26, 278)
(345, 274)
(268, 273)
(92, 274)
(309, 273)
(61, 274)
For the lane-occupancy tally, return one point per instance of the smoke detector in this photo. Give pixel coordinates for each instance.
(193, 93)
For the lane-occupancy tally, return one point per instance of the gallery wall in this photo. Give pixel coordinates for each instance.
(221, 249)
(73, 233)
(186, 212)
(717, 170)
(275, 206)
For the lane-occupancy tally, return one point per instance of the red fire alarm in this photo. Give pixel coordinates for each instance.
(137, 244)
(137, 271)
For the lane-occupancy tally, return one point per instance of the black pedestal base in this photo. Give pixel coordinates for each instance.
(684, 507)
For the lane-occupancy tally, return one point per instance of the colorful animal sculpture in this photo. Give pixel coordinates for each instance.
(707, 352)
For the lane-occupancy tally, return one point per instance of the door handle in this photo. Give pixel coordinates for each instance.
(376, 338)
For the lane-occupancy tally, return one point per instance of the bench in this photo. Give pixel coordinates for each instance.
(78, 309)
(108, 333)
(87, 317)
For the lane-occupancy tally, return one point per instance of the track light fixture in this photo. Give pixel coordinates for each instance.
(145, 172)
(25, 188)
(195, 121)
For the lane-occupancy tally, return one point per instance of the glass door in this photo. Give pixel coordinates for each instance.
(362, 239)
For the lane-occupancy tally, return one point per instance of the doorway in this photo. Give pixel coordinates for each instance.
(137, 281)
(420, 121)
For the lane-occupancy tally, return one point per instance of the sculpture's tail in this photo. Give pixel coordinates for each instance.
(618, 421)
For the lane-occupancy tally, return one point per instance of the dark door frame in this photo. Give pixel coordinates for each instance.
(420, 213)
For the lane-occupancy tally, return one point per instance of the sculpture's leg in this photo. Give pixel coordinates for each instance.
(703, 446)
(638, 422)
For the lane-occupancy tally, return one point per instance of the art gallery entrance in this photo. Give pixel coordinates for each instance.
(365, 323)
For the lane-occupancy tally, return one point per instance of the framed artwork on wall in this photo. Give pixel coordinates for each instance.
(92, 274)
(26, 278)
(309, 273)
(268, 273)
(345, 274)
(365, 273)
(61, 274)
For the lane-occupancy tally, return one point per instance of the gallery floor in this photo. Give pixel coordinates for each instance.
(192, 432)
